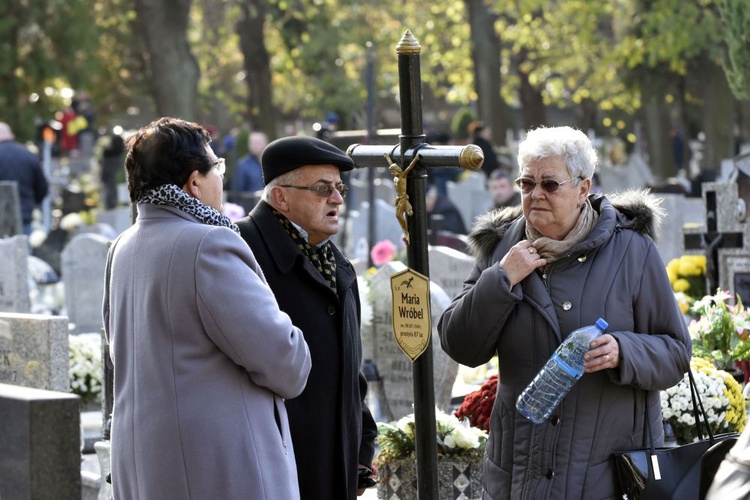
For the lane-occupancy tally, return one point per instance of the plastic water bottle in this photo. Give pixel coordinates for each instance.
(559, 374)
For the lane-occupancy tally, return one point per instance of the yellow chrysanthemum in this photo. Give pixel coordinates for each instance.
(688, 268)
(697, 260)
(681, 285)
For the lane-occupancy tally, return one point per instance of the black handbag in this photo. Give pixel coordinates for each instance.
(681, 472)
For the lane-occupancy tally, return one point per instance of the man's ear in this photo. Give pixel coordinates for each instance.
(279, 200)
(193, 185)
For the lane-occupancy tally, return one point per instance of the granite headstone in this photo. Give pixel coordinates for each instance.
(83, 265)
(10, 209)
(470, 196)
(34, 351)
(40, 443)
(449, 268)
(14, 286)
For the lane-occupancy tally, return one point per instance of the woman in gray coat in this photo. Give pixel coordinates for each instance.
(559, 262)
(200, 378)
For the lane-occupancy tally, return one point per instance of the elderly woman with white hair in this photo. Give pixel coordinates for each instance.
(560, 261)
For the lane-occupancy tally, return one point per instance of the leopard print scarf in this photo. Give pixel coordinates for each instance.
(172, 196)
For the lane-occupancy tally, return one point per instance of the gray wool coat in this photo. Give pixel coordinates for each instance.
(203, 359)
(616, 274)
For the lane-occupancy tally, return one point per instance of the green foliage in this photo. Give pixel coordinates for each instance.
(735, 15)
(460, 123)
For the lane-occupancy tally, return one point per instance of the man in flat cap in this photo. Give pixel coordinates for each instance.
(289, 232)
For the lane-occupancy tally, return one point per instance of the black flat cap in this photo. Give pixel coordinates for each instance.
(289, 153)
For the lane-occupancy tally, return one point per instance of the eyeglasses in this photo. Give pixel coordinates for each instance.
(220, 165)
(549, 185)
(322, 190)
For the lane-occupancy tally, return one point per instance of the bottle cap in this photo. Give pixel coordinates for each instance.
(602, 324)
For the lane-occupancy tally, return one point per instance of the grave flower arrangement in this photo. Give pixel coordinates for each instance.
(720, 394)
(85, 369)
(456, 439)
(721, 332)
(687, 275)
(477, 405)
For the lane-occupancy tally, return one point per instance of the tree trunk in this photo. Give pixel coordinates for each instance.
(534, 112)
(717, 117)
(485, 53)
(174, 70)
(656, 130)
(10, 93)
(260, 110)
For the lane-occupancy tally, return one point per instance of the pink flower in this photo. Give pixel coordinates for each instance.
(382, 252)
(233, 211)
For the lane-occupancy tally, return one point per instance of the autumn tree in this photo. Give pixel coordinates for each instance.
(172, 69)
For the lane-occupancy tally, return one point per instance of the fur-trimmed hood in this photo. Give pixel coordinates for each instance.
(637, 209)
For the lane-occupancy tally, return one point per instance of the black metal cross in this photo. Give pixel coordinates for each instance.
(408, 162)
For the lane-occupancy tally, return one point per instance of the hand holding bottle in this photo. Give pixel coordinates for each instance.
(604, 354)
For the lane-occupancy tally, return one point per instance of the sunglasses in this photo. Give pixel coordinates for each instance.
(549, 185)
(322, 190)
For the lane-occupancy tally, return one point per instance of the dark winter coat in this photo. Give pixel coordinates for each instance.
(21, 165)
(332, 429)
(616, 274)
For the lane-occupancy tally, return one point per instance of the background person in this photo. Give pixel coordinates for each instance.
(289, 232)
(559, 262)
(20, 165)
(248, 177)
(481, 136)
(199, 377)
(502, 190)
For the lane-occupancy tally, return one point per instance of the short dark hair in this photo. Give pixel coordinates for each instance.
(166, 151)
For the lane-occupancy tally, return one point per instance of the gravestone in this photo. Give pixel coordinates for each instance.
(34, 351)
(680, 210)
(14, 286)
(83, 265)
(11, 223)
(359, 190)
(40, 443)
(470, 196)
(449, 268)
(118, 218)
(394, 366)
(635, 173)
(724, 238)
(387, 228)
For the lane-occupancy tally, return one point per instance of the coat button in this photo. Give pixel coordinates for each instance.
(582, 258)
(550, 474)
(566, 305)
(555, 420)
(331, 309)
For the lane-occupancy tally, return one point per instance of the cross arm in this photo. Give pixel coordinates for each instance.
(468, 157)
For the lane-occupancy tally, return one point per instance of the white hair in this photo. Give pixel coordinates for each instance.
(567, 143)
(285, 178)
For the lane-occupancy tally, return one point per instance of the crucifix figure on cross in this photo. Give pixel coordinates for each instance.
(403, 207)
(410, 182)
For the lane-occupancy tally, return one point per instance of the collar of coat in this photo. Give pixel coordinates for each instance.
(636, 209)
(285, 252)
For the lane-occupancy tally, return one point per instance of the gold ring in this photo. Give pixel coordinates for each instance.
(606, 356)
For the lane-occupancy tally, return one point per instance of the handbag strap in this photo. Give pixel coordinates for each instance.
(698, 410)
(697, 399)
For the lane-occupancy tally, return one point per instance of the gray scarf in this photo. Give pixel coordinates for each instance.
(550, 249)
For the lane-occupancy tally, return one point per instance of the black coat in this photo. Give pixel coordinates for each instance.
(332, 429)
(21, 165)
